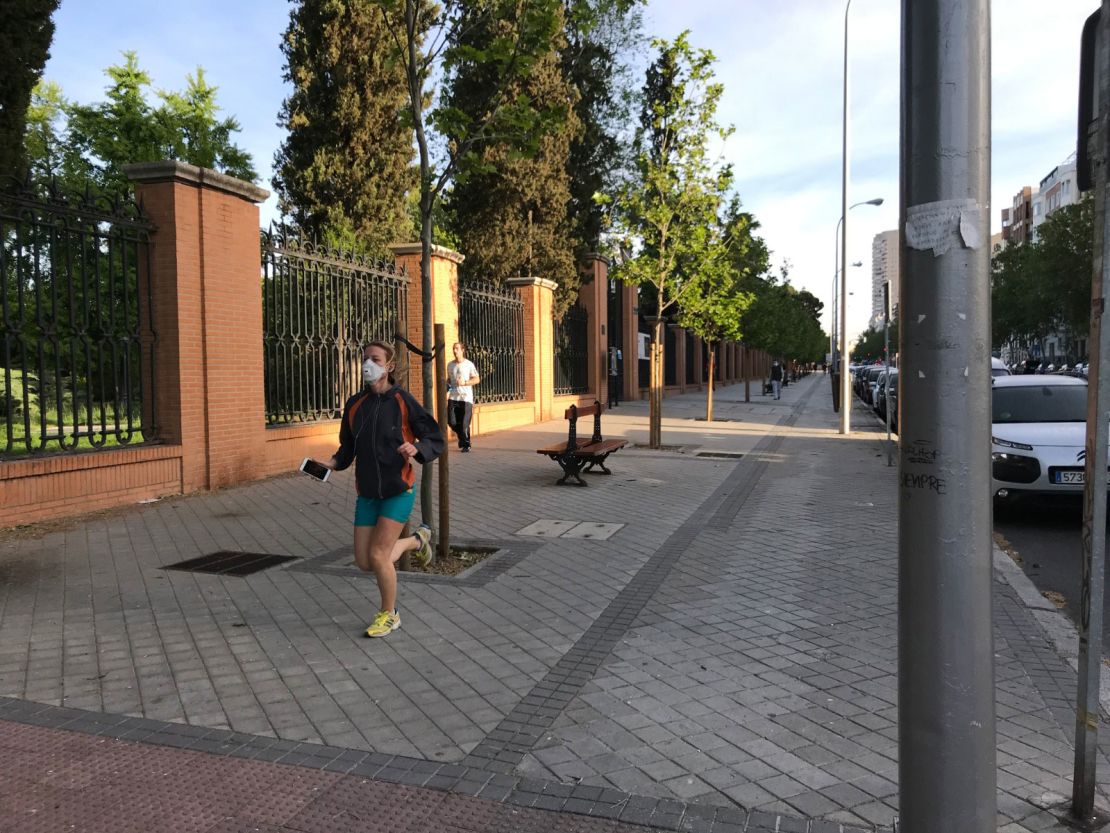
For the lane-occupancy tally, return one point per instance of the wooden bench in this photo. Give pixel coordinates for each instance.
(578, 454)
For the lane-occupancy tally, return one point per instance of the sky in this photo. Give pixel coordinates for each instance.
(781, 65)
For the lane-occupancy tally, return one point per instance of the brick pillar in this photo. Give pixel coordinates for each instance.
(539, 345)
(699, 361)
(679, 356)
(594, 297)
(631, 349)
(445, 300)
(207, 304)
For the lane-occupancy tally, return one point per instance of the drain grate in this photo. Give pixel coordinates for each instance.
(723, 455)
(231, 563)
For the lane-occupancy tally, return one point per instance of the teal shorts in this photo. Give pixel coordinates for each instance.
(396, 508)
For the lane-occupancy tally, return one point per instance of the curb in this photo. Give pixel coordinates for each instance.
(1056, 626)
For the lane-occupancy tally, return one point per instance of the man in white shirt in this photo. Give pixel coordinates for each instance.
(462, 376)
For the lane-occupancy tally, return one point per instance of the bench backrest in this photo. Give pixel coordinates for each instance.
(572, 414)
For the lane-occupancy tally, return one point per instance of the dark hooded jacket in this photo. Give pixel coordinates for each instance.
(374, 426)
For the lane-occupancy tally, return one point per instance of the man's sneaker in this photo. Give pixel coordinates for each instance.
(423, 554)
(384, 624)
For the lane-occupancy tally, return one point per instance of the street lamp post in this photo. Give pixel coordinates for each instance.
(836, 354)
(845, 387)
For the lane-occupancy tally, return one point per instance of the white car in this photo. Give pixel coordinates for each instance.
(998, 367)
(1038, 435)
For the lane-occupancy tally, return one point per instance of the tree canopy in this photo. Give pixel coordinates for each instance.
(1044, 286)
(26, 30)
(345, 169)
(92, 142)
(667, 214)
(508, 209)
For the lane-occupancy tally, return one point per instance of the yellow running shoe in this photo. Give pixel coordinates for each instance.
(423, 554)
(384, 624)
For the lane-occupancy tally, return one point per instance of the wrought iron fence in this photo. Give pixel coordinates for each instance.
(572, 368)
(491, 325)
(319, 308)
(76, 371)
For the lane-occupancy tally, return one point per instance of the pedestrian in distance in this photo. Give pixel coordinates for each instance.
(384, 432)
(776, 379)
(462, 376)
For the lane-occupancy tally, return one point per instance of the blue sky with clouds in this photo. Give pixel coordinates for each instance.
(780, 62)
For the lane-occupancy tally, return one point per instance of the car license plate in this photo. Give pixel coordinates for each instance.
(1072, 477)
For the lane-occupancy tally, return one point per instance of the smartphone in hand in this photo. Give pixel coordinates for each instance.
(315, 470)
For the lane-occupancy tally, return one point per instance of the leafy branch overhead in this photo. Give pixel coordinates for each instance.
(92, 142)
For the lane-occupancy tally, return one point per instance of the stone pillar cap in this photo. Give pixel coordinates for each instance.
(172, 170)
(544, 282)
(402, 249)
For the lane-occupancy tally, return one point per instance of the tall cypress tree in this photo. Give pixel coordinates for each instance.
(598, 33)
(345, 167)
(26, 30)
(509, 210)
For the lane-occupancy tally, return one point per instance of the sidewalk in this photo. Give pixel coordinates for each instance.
(707, 643)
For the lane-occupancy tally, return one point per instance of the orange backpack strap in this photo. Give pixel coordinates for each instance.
(408, 473)
(406, 421)
(353, 410)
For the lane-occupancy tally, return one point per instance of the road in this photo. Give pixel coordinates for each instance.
(1047, 540)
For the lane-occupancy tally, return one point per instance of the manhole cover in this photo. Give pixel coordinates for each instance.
(723, 455)
(231, 563)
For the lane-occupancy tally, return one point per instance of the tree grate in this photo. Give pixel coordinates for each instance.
(231, 563)
(724, 455)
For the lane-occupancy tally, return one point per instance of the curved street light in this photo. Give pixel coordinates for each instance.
(836, 271)
(845, 388)
(838, 347)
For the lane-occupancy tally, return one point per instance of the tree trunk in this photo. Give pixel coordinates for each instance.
(709, 390)
(655, 388)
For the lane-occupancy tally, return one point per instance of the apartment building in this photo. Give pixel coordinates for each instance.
(884, 268)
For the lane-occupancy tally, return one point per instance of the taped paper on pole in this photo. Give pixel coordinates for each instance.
(941, 225)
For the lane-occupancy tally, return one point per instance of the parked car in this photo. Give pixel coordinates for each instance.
(998, 367)
(889, 378)
(894, 401)
(1038, 436)
(869, 381)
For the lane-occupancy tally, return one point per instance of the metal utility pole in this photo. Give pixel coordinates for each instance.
(886, 358)
(1096, 64)
(946, 725)
(845, 385)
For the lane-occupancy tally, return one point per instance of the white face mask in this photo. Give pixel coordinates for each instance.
(372, 371)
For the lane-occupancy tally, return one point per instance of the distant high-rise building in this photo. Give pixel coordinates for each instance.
(1017, 222)
(884, 268)
(1059, 188)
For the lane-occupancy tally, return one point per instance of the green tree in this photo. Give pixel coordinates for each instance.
(1044, 286)
(46, 148)
(784, 321)
(345, 168)
(667, 213)
(99, 139)
(598, 34)
(26, 30)
(509, 210)
(428, 42)
(715, 306)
